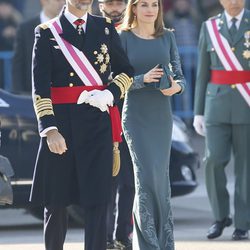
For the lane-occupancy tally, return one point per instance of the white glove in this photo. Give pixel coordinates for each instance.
(83, 97)
(101, 99)
(199, 124)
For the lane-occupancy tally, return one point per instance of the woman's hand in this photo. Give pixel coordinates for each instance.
(175, 88)
(153, 75)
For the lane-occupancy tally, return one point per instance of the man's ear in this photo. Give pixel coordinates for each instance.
(101, 7)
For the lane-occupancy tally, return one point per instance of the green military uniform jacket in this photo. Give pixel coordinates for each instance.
(221, 103)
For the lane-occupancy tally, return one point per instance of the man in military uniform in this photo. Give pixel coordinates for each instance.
(222, 113)
(78, 120)
(124, 182)
(113, 9)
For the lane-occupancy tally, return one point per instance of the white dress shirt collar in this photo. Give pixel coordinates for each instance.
(238, 17)
(73, 18)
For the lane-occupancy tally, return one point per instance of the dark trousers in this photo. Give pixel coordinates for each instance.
(125, 205)
(56, 222)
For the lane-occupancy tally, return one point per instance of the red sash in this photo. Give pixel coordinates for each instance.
(230, 77)
(227, 57)
(70, 95)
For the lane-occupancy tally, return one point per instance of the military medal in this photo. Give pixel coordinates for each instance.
(247, 38)
(79, 29)
(103, 58)
(246, 53)
(106, 31)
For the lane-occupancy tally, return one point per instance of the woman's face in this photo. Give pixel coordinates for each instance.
(146, 11)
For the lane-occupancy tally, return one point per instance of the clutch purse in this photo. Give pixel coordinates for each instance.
(164, 82)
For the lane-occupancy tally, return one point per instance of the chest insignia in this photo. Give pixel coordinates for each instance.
(106, 30)
(102, 58)
(246, 54)
(247, 39)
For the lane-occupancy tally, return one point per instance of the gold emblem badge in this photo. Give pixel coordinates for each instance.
(103, 68)
(102, 58)
(104, 48)
(246, 54)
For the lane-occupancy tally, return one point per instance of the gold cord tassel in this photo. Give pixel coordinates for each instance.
(116, 159)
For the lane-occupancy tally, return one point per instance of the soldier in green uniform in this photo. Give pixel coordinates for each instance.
(222, 113)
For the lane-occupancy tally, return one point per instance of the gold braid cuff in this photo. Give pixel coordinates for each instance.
(123, 81)
(43, 106)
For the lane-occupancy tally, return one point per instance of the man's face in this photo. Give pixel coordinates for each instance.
(80, 4)
(233, 7)
(113, 9)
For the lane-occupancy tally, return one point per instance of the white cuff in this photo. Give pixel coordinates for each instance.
(43, 133)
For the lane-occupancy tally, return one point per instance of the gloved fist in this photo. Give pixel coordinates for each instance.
(199, 125)
(83, 98)
(101, 99)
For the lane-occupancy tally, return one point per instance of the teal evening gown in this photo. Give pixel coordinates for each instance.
(147, 123)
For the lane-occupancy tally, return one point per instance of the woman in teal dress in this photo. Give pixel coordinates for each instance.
(147, 121)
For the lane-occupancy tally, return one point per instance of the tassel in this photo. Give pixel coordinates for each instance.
(116, 159)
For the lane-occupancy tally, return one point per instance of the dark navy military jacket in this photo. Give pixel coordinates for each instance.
(83, 174)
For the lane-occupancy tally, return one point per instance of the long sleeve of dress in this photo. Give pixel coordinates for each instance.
(176, 64)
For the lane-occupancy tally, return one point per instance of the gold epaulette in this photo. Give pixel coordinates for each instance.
(108, 20)
(43, 106)
(123, 81)
(44, 26)
(214, 17)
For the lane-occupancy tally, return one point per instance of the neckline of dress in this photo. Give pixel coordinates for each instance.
(142, 38)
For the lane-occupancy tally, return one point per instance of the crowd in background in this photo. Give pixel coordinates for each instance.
(184, 16)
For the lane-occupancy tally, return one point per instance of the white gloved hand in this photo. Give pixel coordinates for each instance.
(199, 125)
(83, 98)
(101, 99)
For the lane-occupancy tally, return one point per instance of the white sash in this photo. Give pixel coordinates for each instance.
(75, 57)
(226, 56)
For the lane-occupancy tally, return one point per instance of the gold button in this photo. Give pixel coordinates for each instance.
(71, 73)
(212, 49)
(233, 49)
(71, 84)
(233, 86)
